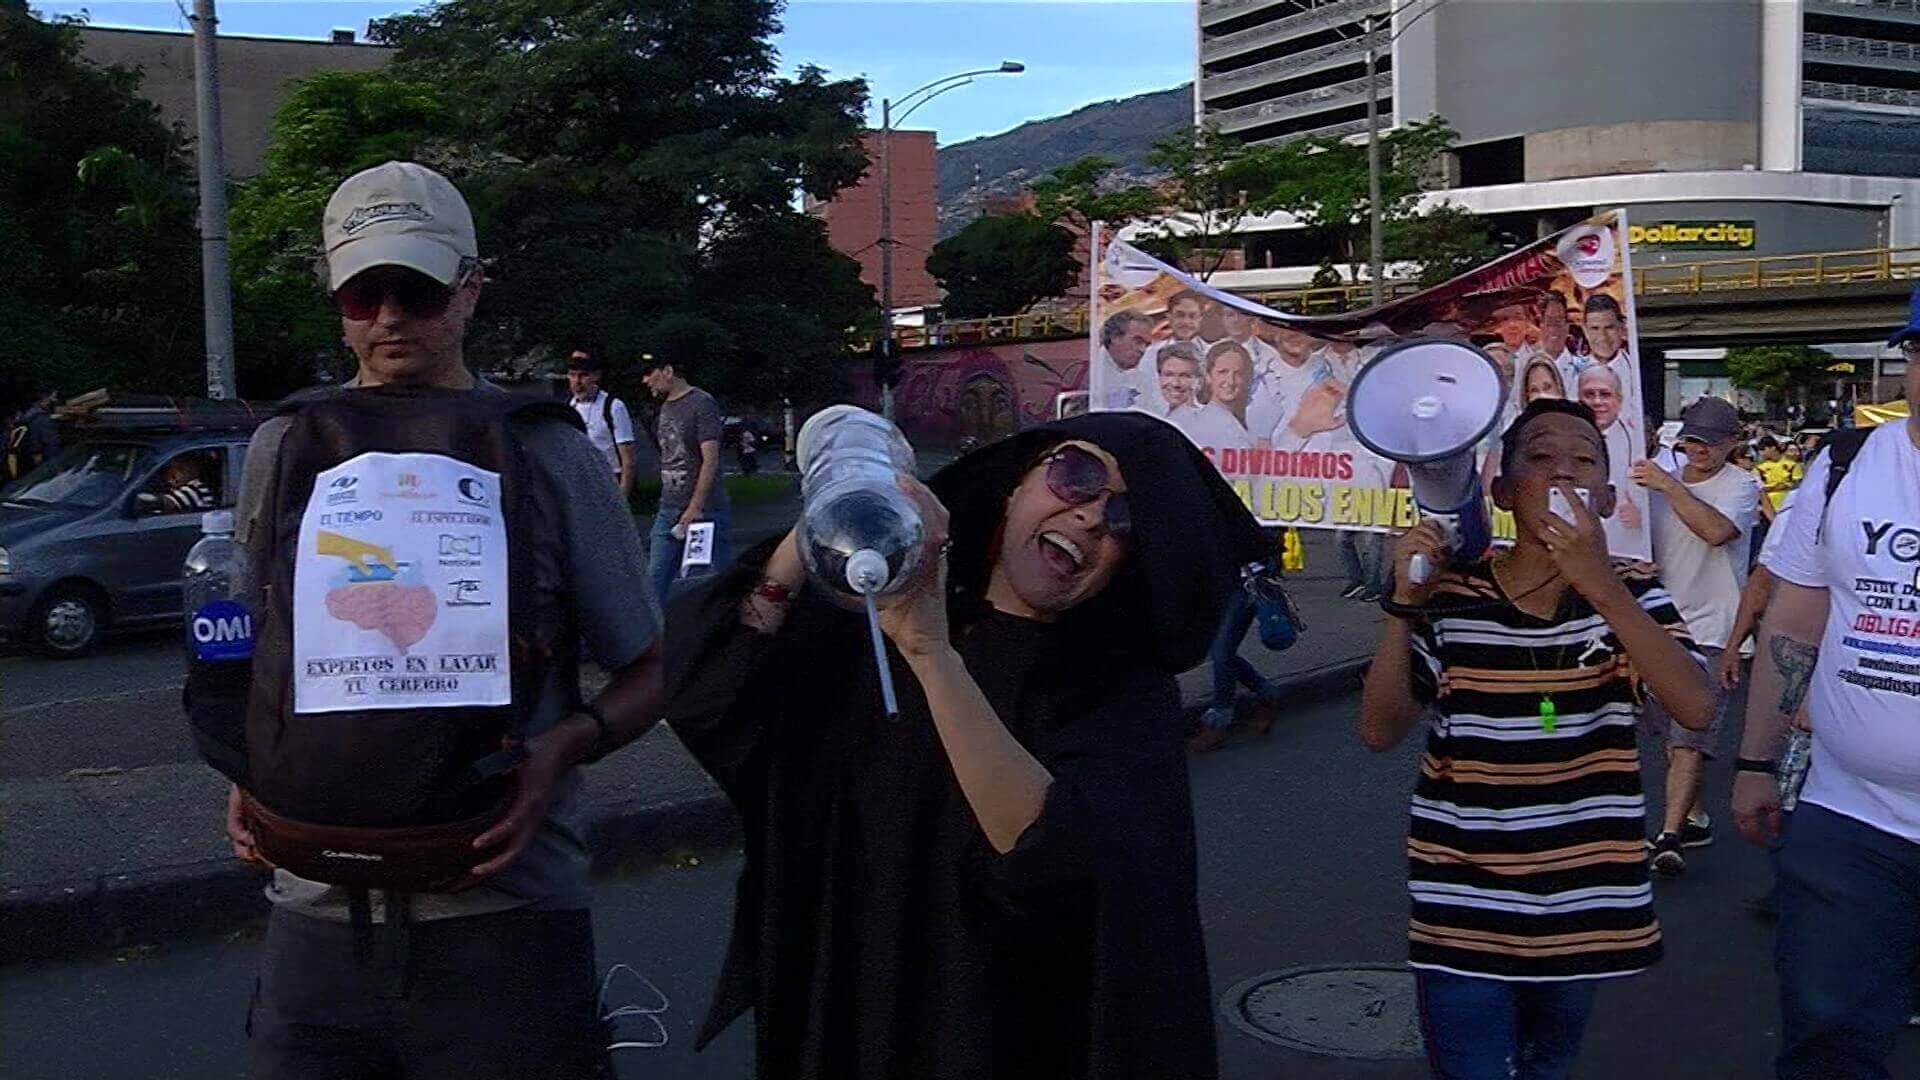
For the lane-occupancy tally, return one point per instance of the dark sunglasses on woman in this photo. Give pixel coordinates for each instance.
(1077, 476)
(421, 297)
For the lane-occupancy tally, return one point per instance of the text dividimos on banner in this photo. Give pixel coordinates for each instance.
(1263, 392)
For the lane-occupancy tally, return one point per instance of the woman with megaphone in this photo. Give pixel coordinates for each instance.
(1527, 838)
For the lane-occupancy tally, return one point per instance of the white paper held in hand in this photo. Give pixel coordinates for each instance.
(698, 551)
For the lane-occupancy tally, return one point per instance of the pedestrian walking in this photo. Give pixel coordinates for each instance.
(1001, 882)
(430, 897)
(688, 431)
(32, 436)
(1703, 512)
(1527, 847)
(1231, 671)
(609, 424)
(749, 450)
(1835, 639)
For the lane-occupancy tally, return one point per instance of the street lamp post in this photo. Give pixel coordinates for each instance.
(938, 86)
(1376, 224)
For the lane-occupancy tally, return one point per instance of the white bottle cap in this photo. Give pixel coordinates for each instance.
(216, 523)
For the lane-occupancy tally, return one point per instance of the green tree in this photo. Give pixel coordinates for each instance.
(1000, 265)
(621, 156)
(1083, 192)
(1780, 371)
(1445, 241)
(100, 282)
(332, 125)
(1214, 183)
(1322, 182)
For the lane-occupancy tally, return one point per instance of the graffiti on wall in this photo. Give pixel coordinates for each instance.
(981, 391)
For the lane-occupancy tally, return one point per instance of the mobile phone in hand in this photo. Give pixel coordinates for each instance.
(1557, 503)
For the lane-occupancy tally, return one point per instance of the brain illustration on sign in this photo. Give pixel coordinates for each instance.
(373, 594)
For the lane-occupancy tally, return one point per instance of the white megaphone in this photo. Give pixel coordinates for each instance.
(1428, 403)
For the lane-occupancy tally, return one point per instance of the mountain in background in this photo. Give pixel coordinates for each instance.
(1123, 129)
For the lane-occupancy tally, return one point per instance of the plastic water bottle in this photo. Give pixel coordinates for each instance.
(1791, 773)
(219, 640)
(859, 535)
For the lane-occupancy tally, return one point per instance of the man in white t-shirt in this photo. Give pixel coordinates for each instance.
(1842, 634)
(1124, 378)
(609, 425)
(1702, 514)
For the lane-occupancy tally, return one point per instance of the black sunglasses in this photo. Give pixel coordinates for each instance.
(1076, 477)
(364, 294)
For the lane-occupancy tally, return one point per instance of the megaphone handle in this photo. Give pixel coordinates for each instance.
(1418, 569)
(887, 697)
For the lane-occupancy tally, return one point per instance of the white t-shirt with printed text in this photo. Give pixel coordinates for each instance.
(1865, 698)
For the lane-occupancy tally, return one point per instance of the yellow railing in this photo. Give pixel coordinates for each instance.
(1717, 275)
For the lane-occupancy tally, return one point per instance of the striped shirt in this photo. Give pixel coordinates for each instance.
(1527, 847)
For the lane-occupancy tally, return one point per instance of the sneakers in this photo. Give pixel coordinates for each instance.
(1207, 739)
(1216, 724)
(1353, 592)
(1264, 714)
(1696, 833)
(1667, 859)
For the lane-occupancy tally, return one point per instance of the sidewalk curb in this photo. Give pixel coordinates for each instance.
(76, 918)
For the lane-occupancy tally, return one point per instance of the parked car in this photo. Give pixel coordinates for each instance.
(88, 543)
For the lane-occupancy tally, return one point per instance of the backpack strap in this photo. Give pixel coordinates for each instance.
(1841, 449)
(606, 414)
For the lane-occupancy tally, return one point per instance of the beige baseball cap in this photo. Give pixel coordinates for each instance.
(397, 214)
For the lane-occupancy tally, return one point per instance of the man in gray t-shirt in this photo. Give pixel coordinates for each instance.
(498, 979)
(688, 432)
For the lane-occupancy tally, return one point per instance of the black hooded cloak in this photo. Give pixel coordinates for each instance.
(876, 932)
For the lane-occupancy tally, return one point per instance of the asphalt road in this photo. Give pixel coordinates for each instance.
(1301, 864)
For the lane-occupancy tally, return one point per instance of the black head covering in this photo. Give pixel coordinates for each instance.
(1191, 535)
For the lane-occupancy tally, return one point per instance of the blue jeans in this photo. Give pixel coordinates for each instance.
(663, 551)
(1849, 935)
(1492, 1029)
(1230, 670)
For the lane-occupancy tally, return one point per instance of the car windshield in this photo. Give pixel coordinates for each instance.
(89, 476)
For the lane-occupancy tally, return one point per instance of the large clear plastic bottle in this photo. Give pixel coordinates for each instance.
(859, 534)
(219, 643)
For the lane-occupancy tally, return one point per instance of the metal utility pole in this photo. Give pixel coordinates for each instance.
(886, 248)
(215, 283)
(1376, 223)
(1376, 244)
(950, 82)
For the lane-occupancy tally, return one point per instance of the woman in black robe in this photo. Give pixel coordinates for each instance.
(1000, 883)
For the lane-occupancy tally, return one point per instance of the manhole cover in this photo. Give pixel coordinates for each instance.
(1364, 1011)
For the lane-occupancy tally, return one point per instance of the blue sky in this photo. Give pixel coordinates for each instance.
(1077, 51)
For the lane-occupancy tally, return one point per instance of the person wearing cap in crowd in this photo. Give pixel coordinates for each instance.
(609, 424)
(501, 981)
(1702, 512)
(1848, 867)
(688, 431)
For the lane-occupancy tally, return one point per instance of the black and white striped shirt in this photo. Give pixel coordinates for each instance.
(1527, 846)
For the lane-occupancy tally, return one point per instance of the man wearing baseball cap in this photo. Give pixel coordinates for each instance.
(609, 424)
(1703, 513)
(495, 979)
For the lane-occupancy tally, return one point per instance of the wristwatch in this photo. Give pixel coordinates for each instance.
(1759, 765)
